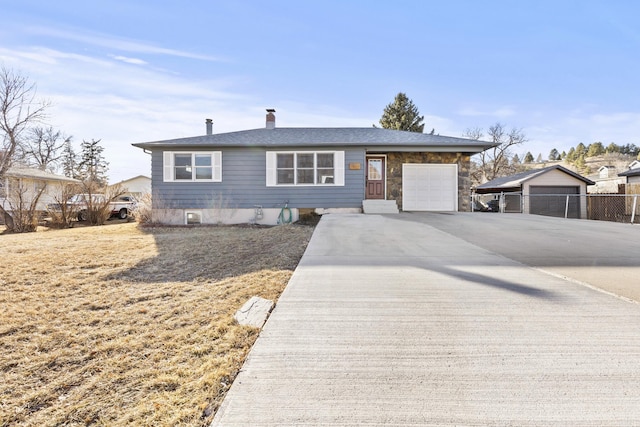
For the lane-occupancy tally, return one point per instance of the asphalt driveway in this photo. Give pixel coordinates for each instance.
(408, 320)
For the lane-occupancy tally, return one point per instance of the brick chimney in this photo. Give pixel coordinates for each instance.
(271, 118)
(209, 124)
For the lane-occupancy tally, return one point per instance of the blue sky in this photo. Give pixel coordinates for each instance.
(131, 71)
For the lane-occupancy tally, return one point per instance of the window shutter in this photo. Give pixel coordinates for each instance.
(271, 168)
(216, 158)
(167, 164)
(338, 164)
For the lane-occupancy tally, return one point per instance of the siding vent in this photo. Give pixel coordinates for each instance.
(193, 217)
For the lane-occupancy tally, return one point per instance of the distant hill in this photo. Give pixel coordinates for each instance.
(620, 162)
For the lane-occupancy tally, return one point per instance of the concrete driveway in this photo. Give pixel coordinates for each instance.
(598, 253)
(395, 320)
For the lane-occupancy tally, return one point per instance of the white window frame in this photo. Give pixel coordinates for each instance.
(272, 168)
(169, 169)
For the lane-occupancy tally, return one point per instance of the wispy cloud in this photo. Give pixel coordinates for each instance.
(106, 98)
(134, 61)
(116, 43)
(44, 55)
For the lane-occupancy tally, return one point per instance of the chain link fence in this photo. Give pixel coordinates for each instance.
(601, 207)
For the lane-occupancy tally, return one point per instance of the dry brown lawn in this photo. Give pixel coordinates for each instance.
(121, 325)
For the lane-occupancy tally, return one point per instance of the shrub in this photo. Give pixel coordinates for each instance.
(62, 214)
(142, 211)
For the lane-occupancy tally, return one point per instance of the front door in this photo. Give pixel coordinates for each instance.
(375, 178)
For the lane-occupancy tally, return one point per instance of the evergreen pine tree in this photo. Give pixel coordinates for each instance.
(69, 161)
(93, 166)
(528, 158)
(595, 149)
(401, 114)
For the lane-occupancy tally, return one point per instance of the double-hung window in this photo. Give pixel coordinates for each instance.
(305, 168)
(192, 166)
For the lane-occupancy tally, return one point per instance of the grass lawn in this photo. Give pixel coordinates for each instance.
(121, 325)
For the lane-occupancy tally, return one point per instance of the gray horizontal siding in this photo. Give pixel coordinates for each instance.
(244, 185)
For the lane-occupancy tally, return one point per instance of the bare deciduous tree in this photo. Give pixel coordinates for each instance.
(43, 148)
(18, 110)
(495, 161)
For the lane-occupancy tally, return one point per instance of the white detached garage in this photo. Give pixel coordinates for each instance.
(430, 187)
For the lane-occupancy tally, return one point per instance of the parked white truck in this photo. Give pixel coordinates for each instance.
(121, 206)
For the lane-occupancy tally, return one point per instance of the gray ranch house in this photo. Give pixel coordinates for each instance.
(272, 175)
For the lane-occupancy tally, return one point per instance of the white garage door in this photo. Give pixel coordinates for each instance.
(429, 187)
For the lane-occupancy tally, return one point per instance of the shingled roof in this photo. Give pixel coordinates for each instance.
(514, 182)
(382, 139)
(630, 172)
(33, 173)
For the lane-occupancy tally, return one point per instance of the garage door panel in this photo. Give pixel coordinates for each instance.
(429, 187)
(552, 201)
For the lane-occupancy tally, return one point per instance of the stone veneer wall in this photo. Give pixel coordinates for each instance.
(394, 174)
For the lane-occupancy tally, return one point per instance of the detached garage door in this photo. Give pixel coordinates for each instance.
(429, 187)
(552, 200)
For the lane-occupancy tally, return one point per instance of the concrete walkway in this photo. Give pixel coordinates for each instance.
(389, 321)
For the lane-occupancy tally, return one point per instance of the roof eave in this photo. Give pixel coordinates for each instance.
(505, 189)
(472, 149)
(629, 173)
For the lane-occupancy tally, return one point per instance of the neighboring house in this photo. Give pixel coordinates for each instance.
(249, 176)
(542, 192)
(632, 175)
(136, 186)
(29, 181)
(606, 171)
(606, 181)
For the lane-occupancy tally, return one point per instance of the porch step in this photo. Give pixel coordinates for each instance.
(379, 207)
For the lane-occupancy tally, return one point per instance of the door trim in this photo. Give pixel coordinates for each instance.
(366, 171)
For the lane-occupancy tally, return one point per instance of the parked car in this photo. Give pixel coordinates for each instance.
(493, 205)
(478, 206)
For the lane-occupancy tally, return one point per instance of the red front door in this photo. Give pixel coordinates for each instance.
(375, 181)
